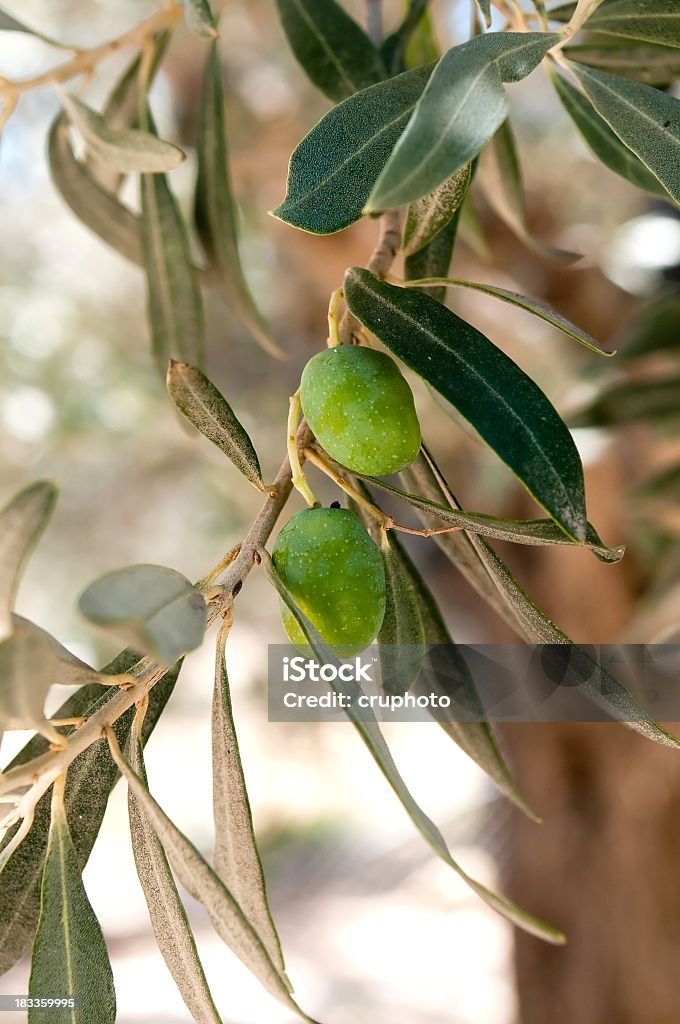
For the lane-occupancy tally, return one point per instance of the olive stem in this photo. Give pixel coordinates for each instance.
(297, 473)
(314, 456)
(334, 338)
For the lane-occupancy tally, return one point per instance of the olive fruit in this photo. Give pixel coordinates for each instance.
(335, 573)
(361, 409)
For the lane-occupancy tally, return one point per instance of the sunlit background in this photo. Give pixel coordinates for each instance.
(373, 926)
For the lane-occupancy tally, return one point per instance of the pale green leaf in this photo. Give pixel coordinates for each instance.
(428, 216)
(215, 210)
(198, 399)
(654, 21)
(462, 106)
(155, 609)
(236, 857)
(199, 18)
(645, 119)
(434, 259)
(70, 958)
(332, 48)
(22, 521)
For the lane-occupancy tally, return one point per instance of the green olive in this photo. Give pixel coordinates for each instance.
(361, 409)
(336, 575)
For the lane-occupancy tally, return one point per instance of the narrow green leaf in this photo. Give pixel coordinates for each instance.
(644, 401)
(401, 638)
(126, 150)
(169, 921)
(651, 63)
(90, 780)
(664, 486)
(395, 47)
(535, 627)
(428, 216)
(98, 209)
(462, 106)
(22, 521)
(175, 308)
(534, 306)
(537, 532)
(434, 259)
(236, 857)
(27, 670)
(199, 18)
(500, 174)
(507, 409)
(655, 329)
(201, 882)
(604, 143)
(654, 21)
(332, 48)
(70, 958)
(371, 735)
(215, 211)
(333, 169)
(562, 13)
(645, 119)
(198, 399)
(10, 24)
(157, 610)
(485, 8)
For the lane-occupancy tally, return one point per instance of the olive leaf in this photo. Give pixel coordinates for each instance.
(169, 921)
(402, 637)
(22, 521)
(175, 307)
(90, 780)
(655, 329)
(518, 531)
(434, 259)
(500, 176)
(332, 48)
(215, 210)
(485, 8)
(480, 381)
(335, 166)
(644, 401)
(126, 150)
(70, 958)
(645, 119)
(655, 21)
(395, 49)
(462, 106)
(198, 399)
(157, 610)
(236, 857)
(199, 18)
(428, 216)
(604, 143)
(534, 626)
(10, 24)
(201, 882)
(534, 306)
(370, 733)
(651, 63)
(96, 208)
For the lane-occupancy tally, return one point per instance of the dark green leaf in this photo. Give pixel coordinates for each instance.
(333, 49)
(201, 882)
(371, 735)
(335, 166)
(501, 177)
(70, 958)
(236, 857)
(198, 399)
(434, 259)
(462, 106)
(534, 306)
(90, 780)
(646, 62)
(645, 119)
(157, 610)
(655, 329)
(175, 307)
(199, 18)
(504, 405)
(654, 21)
(402, 637)
(644, 401)
(22, 521)
(215, 210)
(485, 8)
(604, 143)
(537, 532)
(428, 216)
(98, 209)
(169, 921)
(394, 49)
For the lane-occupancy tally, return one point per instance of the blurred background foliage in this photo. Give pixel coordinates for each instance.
(359, 901)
